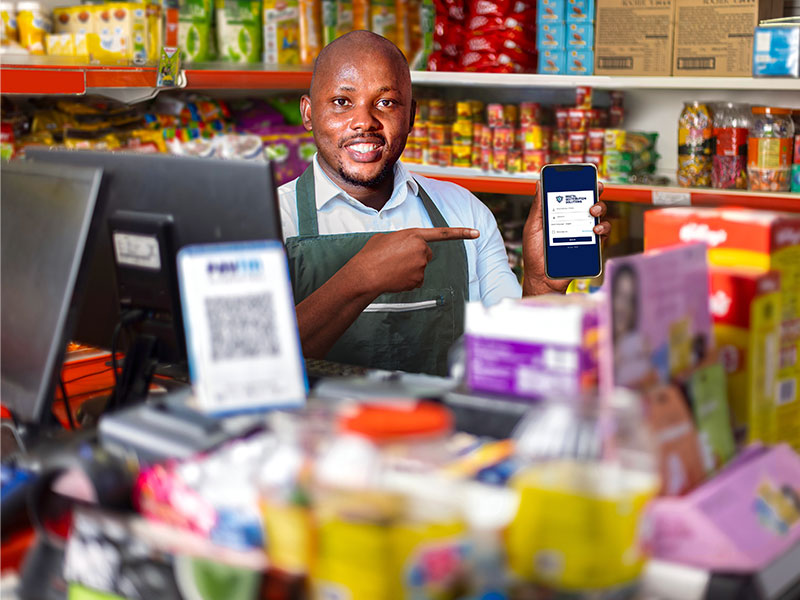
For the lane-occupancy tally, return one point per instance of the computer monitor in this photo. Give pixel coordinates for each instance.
(186, 200)
(45, 215)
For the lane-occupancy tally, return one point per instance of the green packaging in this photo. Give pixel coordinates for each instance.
(427, 15)
(239, 30)
(196, 30)
(337, 19)
(708, 390)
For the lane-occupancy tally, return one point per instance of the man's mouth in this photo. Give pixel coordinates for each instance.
(364, 150)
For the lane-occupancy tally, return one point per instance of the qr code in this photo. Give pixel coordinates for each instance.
(241, 326)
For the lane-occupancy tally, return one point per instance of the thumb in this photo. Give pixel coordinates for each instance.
(535, 211)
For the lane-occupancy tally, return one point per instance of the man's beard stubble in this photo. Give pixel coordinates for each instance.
(384, 173)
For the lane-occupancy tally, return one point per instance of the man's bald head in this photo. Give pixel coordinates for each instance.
(355, 47)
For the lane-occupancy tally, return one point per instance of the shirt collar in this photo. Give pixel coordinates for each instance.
(326, 190)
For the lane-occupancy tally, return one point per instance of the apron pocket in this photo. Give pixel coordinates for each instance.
(396, 307)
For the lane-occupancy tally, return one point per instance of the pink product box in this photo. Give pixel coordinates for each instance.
(739, 521)
(657, 316)
(534, 348)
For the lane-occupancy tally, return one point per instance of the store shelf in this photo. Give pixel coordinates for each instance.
(512, 80)
(524, 184)
(225, 76)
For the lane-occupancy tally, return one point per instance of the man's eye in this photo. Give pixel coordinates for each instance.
(386, 103)
(341, 102)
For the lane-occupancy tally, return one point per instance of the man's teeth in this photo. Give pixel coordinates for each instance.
(364, 148)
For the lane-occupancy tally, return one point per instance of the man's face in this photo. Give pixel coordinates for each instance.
(361, 114)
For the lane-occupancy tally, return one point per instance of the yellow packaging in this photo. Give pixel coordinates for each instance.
(8, 28)
(74, 19)
(282, 32)
(33, 25)
(114, 26)
(462, 156)
(310, 30)
(577, 525)
(67, 44)
(745, 305)
(384, 18)
(288, 530)
(155, 31)
(139, 38)
(91, 139)
(462, 133)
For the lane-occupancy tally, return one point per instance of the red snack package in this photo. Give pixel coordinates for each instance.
(490, 8)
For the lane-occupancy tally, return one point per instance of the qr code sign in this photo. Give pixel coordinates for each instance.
(241, 326)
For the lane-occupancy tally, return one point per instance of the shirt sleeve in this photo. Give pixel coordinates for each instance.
(497, 280)
(287, 201)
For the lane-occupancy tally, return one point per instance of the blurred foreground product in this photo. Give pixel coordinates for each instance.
(534, 348)
(588, 471)
(764, 241)
(388, 525)
(760, 493)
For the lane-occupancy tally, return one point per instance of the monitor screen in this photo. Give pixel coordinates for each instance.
(44, 221)
(206, 200)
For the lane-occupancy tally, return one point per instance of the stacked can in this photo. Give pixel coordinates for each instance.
(462, 135)
(535, 137)
(695, 145)
(417, 149)
(795, 187)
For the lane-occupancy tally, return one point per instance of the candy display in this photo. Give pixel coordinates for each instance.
(769, 149)
(695, 145)
(731, 130)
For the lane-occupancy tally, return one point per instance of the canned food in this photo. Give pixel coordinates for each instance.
(577, 143)
(595, 141)
(577, 120)
(494, 114)
(583, 96)
(561, 118)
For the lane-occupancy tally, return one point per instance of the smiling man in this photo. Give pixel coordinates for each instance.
(382, 262)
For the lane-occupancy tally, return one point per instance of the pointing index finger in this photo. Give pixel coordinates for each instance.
(441, 234)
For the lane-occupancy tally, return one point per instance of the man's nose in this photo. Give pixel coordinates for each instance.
(364, 118)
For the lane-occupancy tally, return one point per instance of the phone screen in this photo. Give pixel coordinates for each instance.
(572, 248)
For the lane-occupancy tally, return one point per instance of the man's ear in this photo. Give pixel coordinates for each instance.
(413, 115)
(305, 111)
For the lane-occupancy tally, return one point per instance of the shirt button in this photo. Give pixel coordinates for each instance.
(381, 215)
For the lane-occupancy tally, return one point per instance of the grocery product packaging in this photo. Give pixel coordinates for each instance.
(9, 33)
(195, 30)
(715, 39)
(580, 62)
(776, 52)
(551, 11)
(580, 11)
(239, 30)
(760, 493)
(337, 19)
(580, 35)
(745, 306)
(708, 393)
(310, 30)
(657, 316)
(551, 35)
(33, 23)
(67, 44)
(384, 18)
(282, 32)
(762, 240)
(534, 348)
(676, 438)
(634, 40)
(74, 19)
(553, 62)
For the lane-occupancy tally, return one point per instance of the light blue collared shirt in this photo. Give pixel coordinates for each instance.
(490, 277)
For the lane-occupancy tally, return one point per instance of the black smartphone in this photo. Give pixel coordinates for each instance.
(571, 247)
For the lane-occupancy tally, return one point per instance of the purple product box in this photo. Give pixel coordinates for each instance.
(657, 316)
(580, 11)
(534, 348)
(580, 62)
(739, 521)
(551, 36)
(552, 62)
(580, 36)
(550, 11)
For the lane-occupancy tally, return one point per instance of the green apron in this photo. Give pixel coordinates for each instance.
(408, 331)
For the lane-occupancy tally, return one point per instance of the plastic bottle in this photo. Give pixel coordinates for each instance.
(731, 129)
(695, 145)
(769, 149)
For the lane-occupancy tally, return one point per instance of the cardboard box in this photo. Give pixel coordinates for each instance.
(580, 62)
(657, 317)
(776, 52)
(551, 11)
(580, 36)
(634, 37)
(763, 240)
(534, 348)
(716, 38)
(580, 11)
(551, 36)
(552, 62)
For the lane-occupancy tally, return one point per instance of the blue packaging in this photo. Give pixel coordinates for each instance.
(551, 36)
(580, 62)
(551, 11)
(776, 52)
(580, 11)
(552, 62)
(580, 36)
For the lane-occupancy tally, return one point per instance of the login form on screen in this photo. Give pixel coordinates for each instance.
(569, 220)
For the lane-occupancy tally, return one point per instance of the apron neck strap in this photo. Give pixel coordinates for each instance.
(307, 224)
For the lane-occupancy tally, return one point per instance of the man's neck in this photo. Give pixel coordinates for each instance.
(373, 197)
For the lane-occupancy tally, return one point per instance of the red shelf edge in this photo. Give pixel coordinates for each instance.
(247, 80)
(36, 81)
